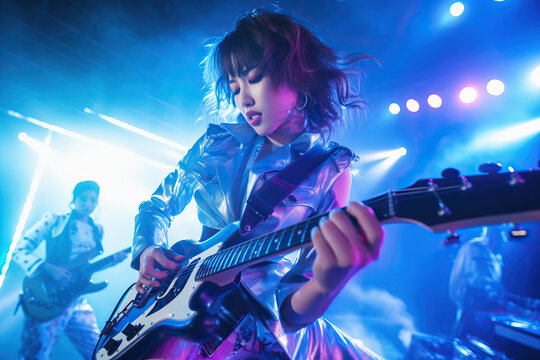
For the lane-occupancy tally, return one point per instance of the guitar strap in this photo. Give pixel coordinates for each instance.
(261, 203)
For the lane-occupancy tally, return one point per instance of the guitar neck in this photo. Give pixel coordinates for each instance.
(278, 242)
(103, 263)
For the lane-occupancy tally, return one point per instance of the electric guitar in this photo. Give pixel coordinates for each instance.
(44, 298)
(182, 305)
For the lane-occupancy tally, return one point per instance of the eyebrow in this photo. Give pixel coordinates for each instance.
(244, 72)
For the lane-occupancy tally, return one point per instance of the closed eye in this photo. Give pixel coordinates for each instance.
(257, 78)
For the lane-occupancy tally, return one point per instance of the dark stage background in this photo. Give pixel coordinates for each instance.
(138, 61)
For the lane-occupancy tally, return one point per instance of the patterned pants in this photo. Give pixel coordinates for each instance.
(79, 323)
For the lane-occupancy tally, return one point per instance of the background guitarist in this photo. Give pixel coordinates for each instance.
(286, 88)
(71, 239)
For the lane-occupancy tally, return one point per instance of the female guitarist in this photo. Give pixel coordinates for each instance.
(288, 90)
(71, 239)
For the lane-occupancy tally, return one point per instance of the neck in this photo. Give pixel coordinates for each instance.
(291, 128)
(80, 217)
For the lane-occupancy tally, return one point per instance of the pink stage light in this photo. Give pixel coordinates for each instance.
(468, 95)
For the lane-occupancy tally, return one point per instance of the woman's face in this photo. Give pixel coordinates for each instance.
(86, 202)
(271, 112)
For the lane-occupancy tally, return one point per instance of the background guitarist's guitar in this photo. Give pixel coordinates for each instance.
(43, 298)
(183, 304)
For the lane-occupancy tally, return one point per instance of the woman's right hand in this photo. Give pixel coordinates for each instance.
(150, 259)
(59, 273)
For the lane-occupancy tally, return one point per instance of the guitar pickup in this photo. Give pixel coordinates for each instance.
(131, 331)
(111, 346)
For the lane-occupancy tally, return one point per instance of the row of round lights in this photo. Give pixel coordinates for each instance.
(467, 95)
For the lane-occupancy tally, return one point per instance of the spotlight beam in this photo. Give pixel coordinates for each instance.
(382, 155)
(507, 135)
(38, 174)
(86, 139)
(138, 131)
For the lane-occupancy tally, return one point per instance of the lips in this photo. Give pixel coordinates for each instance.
(254, 117)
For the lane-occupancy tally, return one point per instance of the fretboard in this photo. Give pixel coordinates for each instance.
(281, 241)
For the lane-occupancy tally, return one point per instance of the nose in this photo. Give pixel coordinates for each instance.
(246, 100)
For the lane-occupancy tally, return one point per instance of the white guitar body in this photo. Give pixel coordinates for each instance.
(178, 309)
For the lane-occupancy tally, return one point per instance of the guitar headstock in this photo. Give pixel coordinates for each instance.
(455, 202)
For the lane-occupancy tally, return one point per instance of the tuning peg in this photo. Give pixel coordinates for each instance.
(450, 173)
(451, 239)
(490, 168)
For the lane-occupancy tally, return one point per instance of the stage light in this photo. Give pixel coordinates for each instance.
(495, 87)
(413, 105)
(380, 155)
(468, 95)
(457, 9)
(22, 136)
(434, 101)
(535, 77)
(99, 144)
(138, 131)
(38, 174)
(34, 144)
(394, 108)
(507, 135)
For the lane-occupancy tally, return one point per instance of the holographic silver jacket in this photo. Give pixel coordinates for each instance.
(220, 171)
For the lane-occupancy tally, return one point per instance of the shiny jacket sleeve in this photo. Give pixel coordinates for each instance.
(171, 197)
(24, 251)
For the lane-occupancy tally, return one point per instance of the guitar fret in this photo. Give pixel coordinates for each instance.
(221, 257)
(288, 242)
(269, 243)
(204, 269)
(234, 257)
(212, 264)
(227, 256)
(260, 251)
(231, 256)
(226, 259)
(304, 233)
(252, 246)
(246, 246)
(255, 253)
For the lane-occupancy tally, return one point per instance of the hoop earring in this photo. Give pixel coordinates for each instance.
(305, 102)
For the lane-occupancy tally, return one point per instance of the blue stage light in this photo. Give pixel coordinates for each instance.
(495, 87)
(457, 9)
(394, 108)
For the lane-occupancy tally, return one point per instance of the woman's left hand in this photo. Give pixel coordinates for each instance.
(343, 248)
